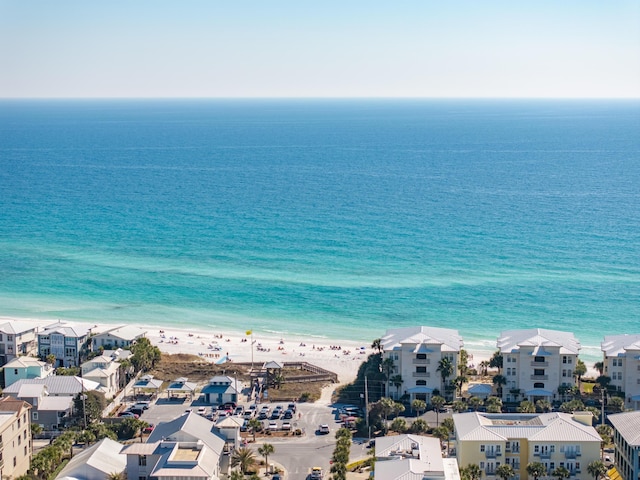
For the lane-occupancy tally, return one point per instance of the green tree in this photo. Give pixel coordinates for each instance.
(475, 403)
(597, 469)
(144, 355)
(419, 426)
(572, 406)
(50, 359)
(459, 406)
(496, 361)
(494, 405)
(377, 345)
(265, 450)
(499, 381)
(599, 366)
(580, 370)
(254, 425)
(543, 406)
(243, 458)
(505, 471)
(437, 402)
(536, 470)
(526, 407)
(236, 475)
(615, 405)
(463, 366)
(419, 406)
(445, 367)
(484, 368)
(459, 382)
(561, 473)
(441, 433)
(92, 403)
(397, 381)
(606, 434)
(471, 472)
(398, 425)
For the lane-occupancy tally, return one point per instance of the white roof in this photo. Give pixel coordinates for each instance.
(25, 362)
(56, 384)
(448, 339)
(628, 425)
(96, 462)
(559, 427)
(189, 427)
(409, 457)
(32, 391)
(55, 404)
(16, 328)
(124, 332)
(538, 338)
(68, 330)
(617, 345)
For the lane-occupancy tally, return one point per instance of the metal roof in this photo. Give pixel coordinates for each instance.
(448, 339)
(617, 345)
(513, 340)
(628, 425)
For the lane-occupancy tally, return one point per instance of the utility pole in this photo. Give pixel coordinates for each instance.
(366, 405)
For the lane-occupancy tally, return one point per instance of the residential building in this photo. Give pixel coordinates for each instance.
(25, 368)
(416, 353)
(182, 449)
(122, 336)
(57, 385)
(105, 371)
(626, 439)
(16, 339)
(15, 437)
(50, 412)
(63, 341)
(537, 364)
(553, 439)
(413, 457)
(221, 389)
(621, 364)
(97, 462)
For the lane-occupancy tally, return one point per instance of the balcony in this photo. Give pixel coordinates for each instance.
(492, 453)
(539, 364)
(490, 471)
(539, 377)
(572, 454)
(544, 454)
(421, 361)
(421, 374)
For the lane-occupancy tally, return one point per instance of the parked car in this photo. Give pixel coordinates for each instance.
(142, 405)
(316, 473)
(287, 414)
(286, 426)
(136, 411)
(128, 415)
(248, 413)
(230, 405)
(239, 410)
(149, 428)
(202, 410)
(323, 429)
(263, 415)
(273, 426)
(292, 407)
(275, 415)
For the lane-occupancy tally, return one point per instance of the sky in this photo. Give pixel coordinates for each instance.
(296, 48)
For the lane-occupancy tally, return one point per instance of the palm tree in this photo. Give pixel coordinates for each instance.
(475, 403)
(419, 406)
(459, 381)
(254, 424)
(496, 360)
(561, 473)
(536, 470)
(473, 472)
(117, 476)
(398, 425)
(597, 469)
(397, 382)
(437, 402)
(484, 367)
(243, 458)
(599, 366)
(387, 368)
(441, 433)
(419, 426)
(494, 405)
(543, 406)
(459, 406)
(605, 432)
(236, 475)
(505, 471)
(386, 407)
(526, 407)
(580, 370)
(499, 381)
(445, 367)
(377, 345)
(450, 426)
(265, 450)
(616, 404)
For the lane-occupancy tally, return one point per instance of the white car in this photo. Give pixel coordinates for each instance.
(273, 426)
(323, 429)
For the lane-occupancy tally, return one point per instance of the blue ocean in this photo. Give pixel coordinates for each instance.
(324, 218)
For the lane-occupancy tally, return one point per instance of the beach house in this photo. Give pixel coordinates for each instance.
(537, 363)
(413, 358)
(626, 439)
(64, 341)
(105, 371)
(621, 363)
(25, 367)
(98, 462)
(553, 439)
(15, 437)
(16, 339)
(221, 389)
(417, 457)
(182, 449)
(113, 338)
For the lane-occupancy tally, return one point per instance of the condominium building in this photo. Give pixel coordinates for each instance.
(626, 439)
(63, 341)
(15, 437)
(621, 364)
(536, 363)
(553, 439)
(16, 339)
(416, 353)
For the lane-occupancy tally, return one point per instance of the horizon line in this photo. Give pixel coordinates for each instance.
(314, 98)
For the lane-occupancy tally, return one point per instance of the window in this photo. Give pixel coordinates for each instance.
(19, 440)
(421, 356)
(25, 450)
(421, 383)
(538, 385)
(142, 460)
(19, 423)
(564, 373)
(421, 369)
(15, 461)
(536, 449)
(142, 478)
(34, 415)
(552, 448)
(9, 338)
(538, 359)
(564, 359)
(1, 337)
(481, 465)
(482, 448)
(538, 371)
(15, 371)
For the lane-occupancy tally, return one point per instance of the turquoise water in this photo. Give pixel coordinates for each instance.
(324, 218)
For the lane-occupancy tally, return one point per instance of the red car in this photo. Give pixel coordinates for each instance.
(149, 428)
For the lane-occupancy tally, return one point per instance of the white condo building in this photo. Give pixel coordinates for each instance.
(536, 362)
(416, 353)
(622, 365)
